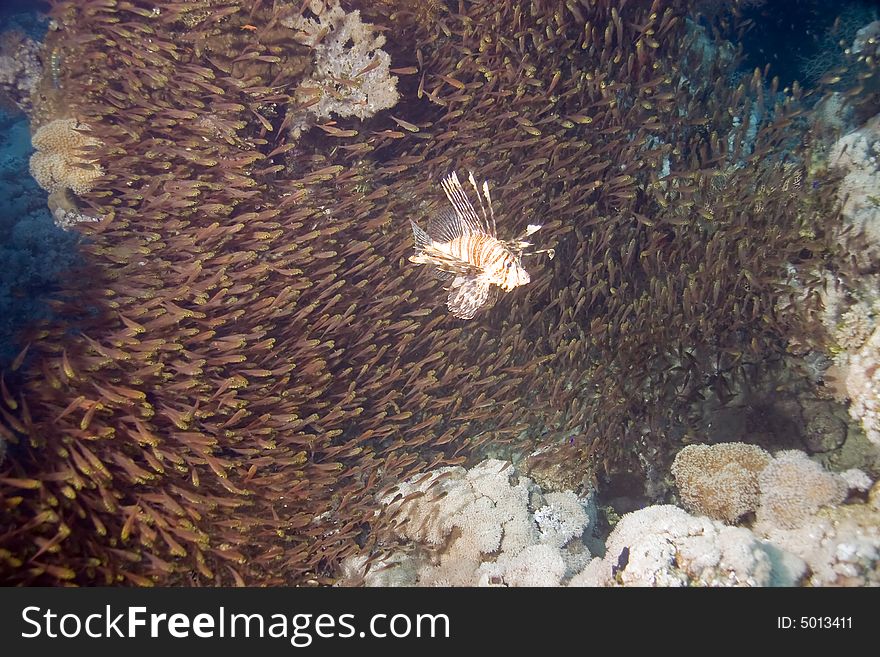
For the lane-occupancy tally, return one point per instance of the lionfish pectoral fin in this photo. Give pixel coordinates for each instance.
(445, 262)
(467, 295)
(420, 237)
(446, 225)
(493, 296)
(440, 274)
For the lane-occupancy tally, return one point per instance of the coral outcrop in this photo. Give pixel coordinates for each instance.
(351, 71)
(840, 544)
(665, 546)
(480, 527)
(804, 533)
(728, 480)
(801, 513)
(793, 488)
(720, 481)
(852, 306)
(63, 157)
(862, 385)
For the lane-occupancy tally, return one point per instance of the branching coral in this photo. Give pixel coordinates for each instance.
(351, 72)
(720, 481)
(62, 159)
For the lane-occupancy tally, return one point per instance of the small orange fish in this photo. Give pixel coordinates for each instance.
(463, 247)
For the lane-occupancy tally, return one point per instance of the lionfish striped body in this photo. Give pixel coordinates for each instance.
(463, 247)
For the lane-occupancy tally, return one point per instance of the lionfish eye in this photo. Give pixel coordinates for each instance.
(509, 265)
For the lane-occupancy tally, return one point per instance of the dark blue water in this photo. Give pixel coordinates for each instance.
(34, 253)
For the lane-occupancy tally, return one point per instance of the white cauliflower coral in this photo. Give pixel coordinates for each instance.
(487, 526)
(351, 75)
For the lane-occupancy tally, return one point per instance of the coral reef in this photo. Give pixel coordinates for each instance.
(803, 533)
(486, 526)
(480, 527)
(664, 546)
(720, 481)
(351, 72)
(491, 526)
(20, 69)
(841, 546)
(728, 480)
(261, 364)
(857, 155)
(851, 303)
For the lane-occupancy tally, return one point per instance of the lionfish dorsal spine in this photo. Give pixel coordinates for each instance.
(488, 216)
(461, 203)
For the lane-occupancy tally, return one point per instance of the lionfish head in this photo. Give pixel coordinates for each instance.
(511, 273)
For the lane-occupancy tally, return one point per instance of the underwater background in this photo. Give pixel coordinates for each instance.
(220, 366)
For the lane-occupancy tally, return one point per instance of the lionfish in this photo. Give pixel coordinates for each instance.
(462, 247)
